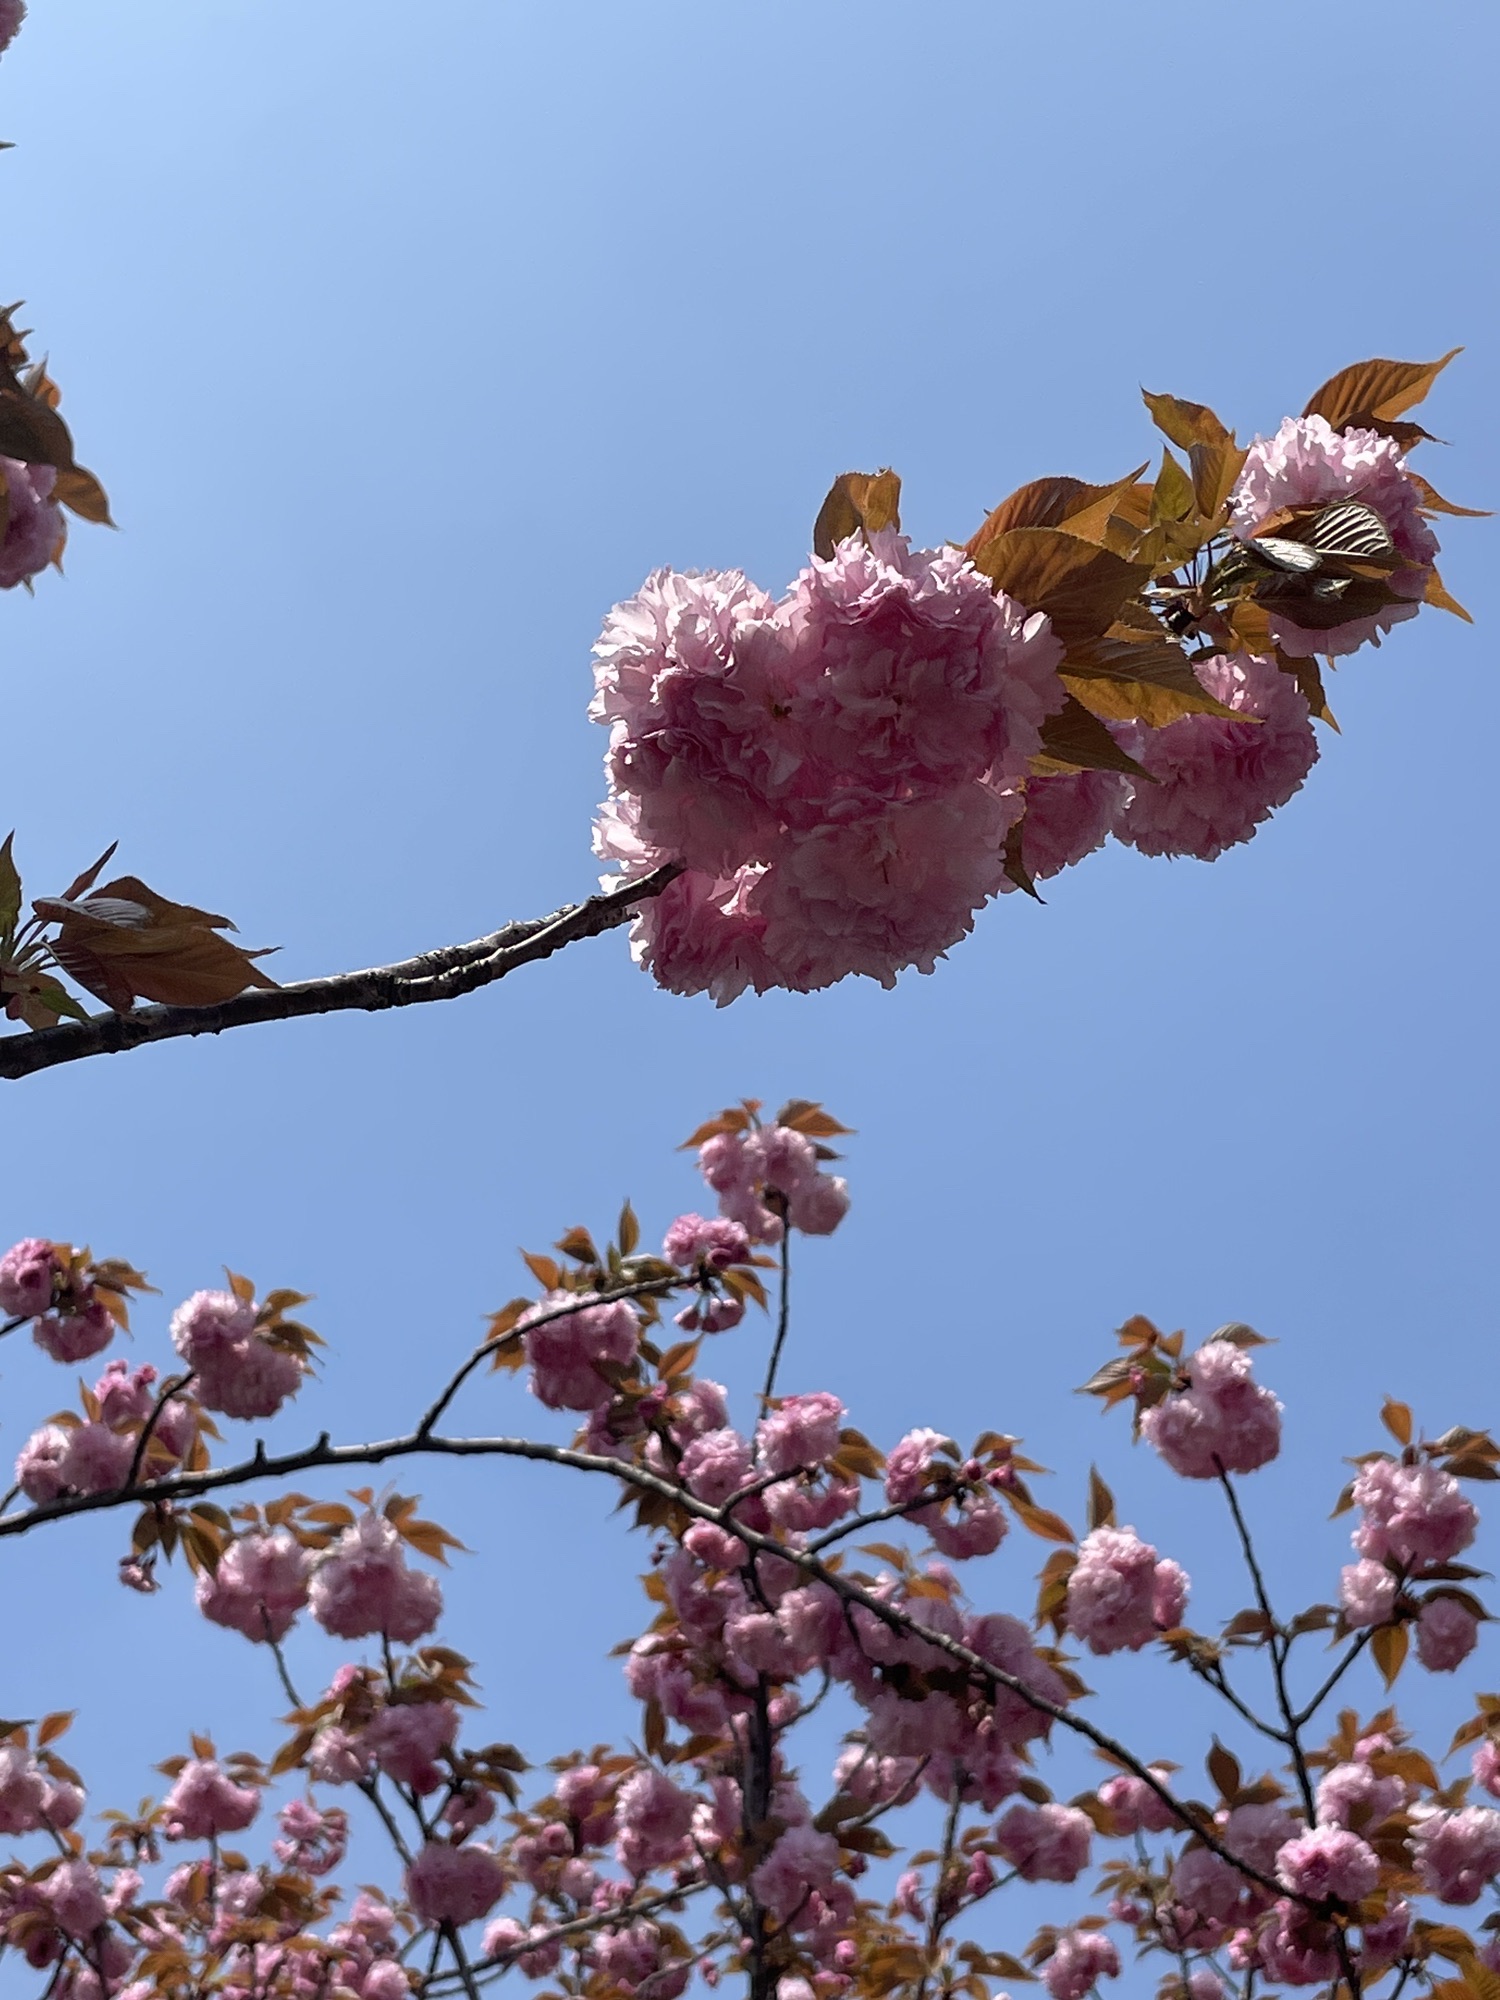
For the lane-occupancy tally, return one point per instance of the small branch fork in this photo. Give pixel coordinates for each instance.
(444, 974)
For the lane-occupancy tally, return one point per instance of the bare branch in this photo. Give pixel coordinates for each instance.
(444, 974)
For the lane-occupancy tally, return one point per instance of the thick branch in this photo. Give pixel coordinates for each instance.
(434, 975)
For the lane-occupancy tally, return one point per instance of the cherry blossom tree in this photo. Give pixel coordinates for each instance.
(800, 789)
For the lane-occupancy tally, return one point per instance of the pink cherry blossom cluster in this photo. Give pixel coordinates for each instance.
(836, 770)
(12, 14)
(43, 1283)
(1219, 1420)
(238, 1366)
(95, 1453)
(1121, 1594)
(770, 1176)
(1307, 463)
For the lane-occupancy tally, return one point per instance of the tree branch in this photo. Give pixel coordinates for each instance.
(444, 974)
(324, 1454)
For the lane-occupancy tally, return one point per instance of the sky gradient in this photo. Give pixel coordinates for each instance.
(407, 342)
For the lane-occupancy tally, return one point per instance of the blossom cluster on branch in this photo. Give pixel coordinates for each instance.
(847, 774)
(707, 1847)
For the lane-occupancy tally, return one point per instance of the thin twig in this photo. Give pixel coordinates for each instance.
(173, 1386)
(783, 1314)
(644, 1289)
(444, 974)
(1306, 1714)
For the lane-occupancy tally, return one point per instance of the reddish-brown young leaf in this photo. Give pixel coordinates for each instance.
(1389, 1647)
(1074, 739)
(857, 501)
(1186, 424)
(1437, 593)
(1434, 503)
(1101, 1501)
(1397, 1419)
(1377, 390)
(1080, 586)
(1052, 502)
(124, 942)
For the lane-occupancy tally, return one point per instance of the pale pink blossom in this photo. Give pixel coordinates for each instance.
(802, 1431)
(803, 1860)
(1413, 1514)
(1352, 1795)
(72, 1336)
(77, 1899)
(819, 1205)
(1447, 1632)
(1079, 1961)
(716, 1465)
(1136, 1808)
(1068, 817)
(39, 1466)
(571, 1352)
(28, 1271)
(259, 1586)
(1048, 1843)
(1258, 1833)
(504, 1941)
(34, 528)
(1114, 1588)
(23, 1791)
(912, 673)
(1217, 778)
(1297, 1949)
(205, 1801)
(1222, 1421)
(364, 1585)
(408, 1739)
(240, 1373)
(1485, 1766)
(1383, 1939)
(1005, 1642)
(714, 1241)
(12, 14)
(653, 1818)
(454, 1885)
(974, 1524)
(1206, 1884)
(634, 1959)
(97, 1459)
(311, 1840)
(337, 1757)
(1308, 463)
(1328, 1861)
(1457, 1853)
(908, 1468)
(1367, 1591)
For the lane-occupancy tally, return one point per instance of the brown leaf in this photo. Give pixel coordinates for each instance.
(857, 502)
(1435, 593)
(1389, 1648)
(1081, 587)
(1048, 503)
(1101, 1501)
(1397, 1419)
(1185, 423)
(124, 942)
(80, 492)
(1382, 390)
(1076, 740)
(1145, 680)
(1224, 1769)
(1434, 503)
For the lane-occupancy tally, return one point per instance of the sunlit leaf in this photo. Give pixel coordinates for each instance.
(1436, 593)
(124, 942)
(1186, 424)
(1378, 390)
(857, 501)
(1080, 586)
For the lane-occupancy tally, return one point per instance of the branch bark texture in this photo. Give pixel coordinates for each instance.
(443, 974)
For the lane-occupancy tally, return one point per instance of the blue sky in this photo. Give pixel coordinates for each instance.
(406, 342)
